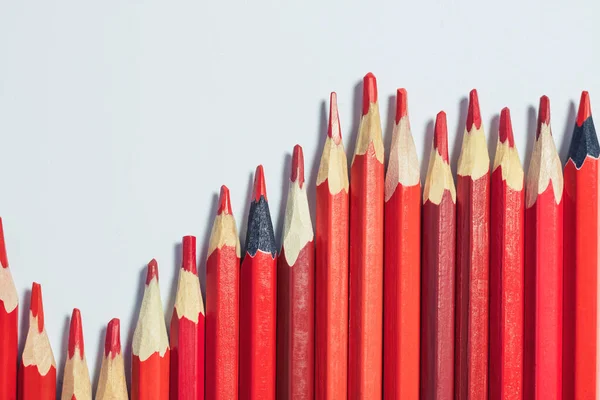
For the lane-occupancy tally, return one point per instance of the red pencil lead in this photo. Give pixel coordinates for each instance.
(37, 307)
(505, 130)
(76, 334)
(543, 114)
(298, 166)
(401, 104)
(474, 113)
(585, 111)
(369, 92)
(152, 271)
(440, 135)
(188, 262)
(260, 188)
(334, 130)
(112, 343)
(3, 256)
(224, 201)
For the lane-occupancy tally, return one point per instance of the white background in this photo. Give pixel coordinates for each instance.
(119, 120)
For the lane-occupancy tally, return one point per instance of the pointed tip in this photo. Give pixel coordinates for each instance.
(112, 342)
(440, 135)
(76, 334)
(401, 104)
(152, 271)
(297, 166)
(543, 114)
(224, 201)
(37, 306)
(188, 259)
(474, 113)
(505, 131)
(585, 110)
(369, 92)
(260, 188)
(334, 130)
(3, 256)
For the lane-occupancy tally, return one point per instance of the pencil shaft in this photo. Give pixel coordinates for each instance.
(295, 326)
(402, 276)
(438, 295)
(331, 307)
(8, 352)
(581, 279)
(366, 277)
(472, 293)
(258, 326)
(222, 323)
(506, 289)
(543, 298)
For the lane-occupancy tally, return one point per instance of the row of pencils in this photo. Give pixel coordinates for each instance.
(486, 289)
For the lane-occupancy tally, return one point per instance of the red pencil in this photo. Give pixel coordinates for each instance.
(295, 293)
(150, 358)
(472, 260)
(9, 326)
(111, 383)
(76, 382)
(37, 372)
(366, 252)
(438, 271)
(331, 283)
(402, 262)
(506, 267)
(581, 258)
(222, 304)
(543, 266)
(258, 296)
(187, 330)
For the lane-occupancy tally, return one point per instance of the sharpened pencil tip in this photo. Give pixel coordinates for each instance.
(334, 130)
(260, 188)
(37, 306)
(585, 110)
(440, 135)
(224, 201)
(152, 271)
(76, 334)
(474, 113)
(369, 92)
(401, 104)
(112, 343)
(543, 114)
(505, 131)
(188, 258)
(3, 256)
(297, 166)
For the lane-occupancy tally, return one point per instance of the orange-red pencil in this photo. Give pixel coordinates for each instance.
(76, 382)
(222, 304)
(150, 358)
(581, 258)
(111, 383)
(542, 374)
(438, 271)
(187, 330)
(296, 293)
(402, 301)
(506, 267)
(258, 294)
(37, 372)
(331, 306)
(9, 326)
(472, 260)
(366, 252)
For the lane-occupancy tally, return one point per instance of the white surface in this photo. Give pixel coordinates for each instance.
(120, 120)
